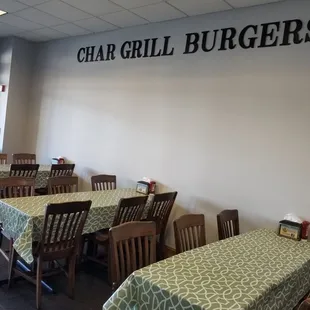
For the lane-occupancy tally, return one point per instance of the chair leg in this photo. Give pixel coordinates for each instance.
(110, 269)
(12, 263)
(161, 246)
(1, 236)
(90, 248)
(71, 275)
(39, 285)
(81, 250)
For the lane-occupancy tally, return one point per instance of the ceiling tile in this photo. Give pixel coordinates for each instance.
(244, 3)
(196, 7)
(124, 19)
(19, 22)
(40, 17)
(6, 29)
(95, 7)
(11, 6)
(132, 4)
(95, 24)
(158, 12)
(32, 2)
(71, 29)
(50, 33)
(31, 36)
(62, 10)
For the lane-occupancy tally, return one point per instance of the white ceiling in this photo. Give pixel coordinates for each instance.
(42, 20)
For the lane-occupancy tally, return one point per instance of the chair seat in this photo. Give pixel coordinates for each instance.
(102, 237)
(59, 247)
(41, 191)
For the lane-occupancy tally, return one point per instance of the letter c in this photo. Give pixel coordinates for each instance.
(79, 58)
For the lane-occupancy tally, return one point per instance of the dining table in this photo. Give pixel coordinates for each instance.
(23, 217)
(256, 270)
(41, 178)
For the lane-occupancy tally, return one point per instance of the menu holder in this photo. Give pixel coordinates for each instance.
(290, 230)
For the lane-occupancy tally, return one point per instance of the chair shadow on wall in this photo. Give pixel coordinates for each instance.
(86, 174)
(176, 211)
(248, 221)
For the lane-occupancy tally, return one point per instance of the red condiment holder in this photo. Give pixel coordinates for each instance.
(304, 229)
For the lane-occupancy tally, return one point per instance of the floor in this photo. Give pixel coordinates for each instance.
(91, 291)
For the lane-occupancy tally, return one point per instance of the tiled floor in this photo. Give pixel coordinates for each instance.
(91, 291)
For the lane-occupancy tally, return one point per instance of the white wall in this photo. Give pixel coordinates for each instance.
(225, 129)
(6, 49)
(19, 91)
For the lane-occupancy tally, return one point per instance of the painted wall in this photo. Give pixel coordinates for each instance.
(19, 92)
(226, 129)
(6, 49)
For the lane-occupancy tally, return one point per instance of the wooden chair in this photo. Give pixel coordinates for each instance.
(61, 170)
(24, 158)
(57, 170)
(14, 187)
(62, 185)
(128, 210)
(189, 232)
(24, 170)
(3, 159)
(159, 213)
(103, 182)
(228, 224)
(61, 237)
(305, 305)
(132, 246)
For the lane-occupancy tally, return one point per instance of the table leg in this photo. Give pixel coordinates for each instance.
(26, 269)
(14, 263)
(90, 248)
(3, 252)
(1, 236)
(6, 255)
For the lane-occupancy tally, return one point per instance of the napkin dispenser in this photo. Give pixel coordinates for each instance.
(58, 160)
(143, 187)
(146, 186)
(289, 229)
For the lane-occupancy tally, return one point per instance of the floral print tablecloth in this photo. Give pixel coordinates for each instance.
(23, 218)
(258, 270)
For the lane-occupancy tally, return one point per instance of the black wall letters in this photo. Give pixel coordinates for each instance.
(272, 34)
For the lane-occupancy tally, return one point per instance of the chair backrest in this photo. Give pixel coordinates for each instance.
(3, 159)
(61, 170)
(129, 209)
(103, 182)
(132, 246)
(228, 224)
(62, 185)
(189, 232)
(305, 305)
(24, 170)
(160, 210)
(13, 187)
(24, 158)
(62, 229)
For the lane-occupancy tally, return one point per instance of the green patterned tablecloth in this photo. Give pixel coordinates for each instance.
(41, 179)
(22, 218)
(257, 270)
